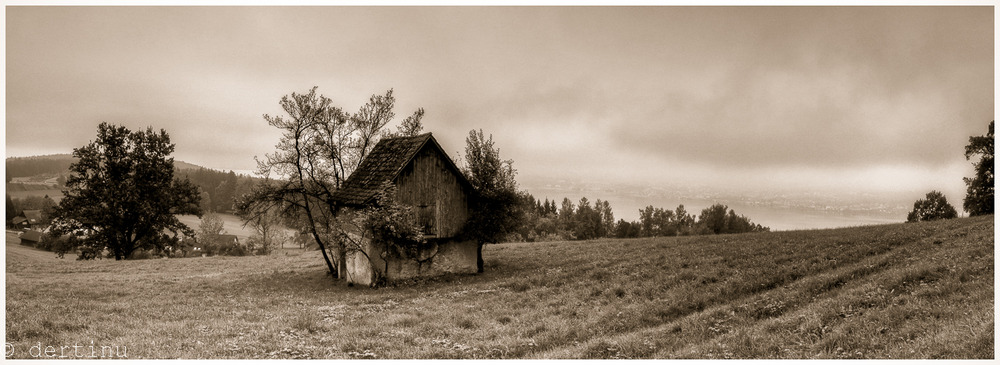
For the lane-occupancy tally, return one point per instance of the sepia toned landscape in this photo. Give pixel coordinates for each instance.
(476, 182)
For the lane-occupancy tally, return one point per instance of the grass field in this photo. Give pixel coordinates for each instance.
(230, 223)
(922, 290)
(55, 194)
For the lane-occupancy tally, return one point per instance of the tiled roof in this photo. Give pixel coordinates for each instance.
(382, 164)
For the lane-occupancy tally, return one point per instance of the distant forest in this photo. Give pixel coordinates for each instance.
(38, 165)
(548, 221)
(219, 190)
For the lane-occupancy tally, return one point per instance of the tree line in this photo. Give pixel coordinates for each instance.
(218, 190)
(545, 220)
(38, 165)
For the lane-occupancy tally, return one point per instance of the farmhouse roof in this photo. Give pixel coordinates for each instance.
(384, 163)
(34, 216)
(32, 236)
(228, 238)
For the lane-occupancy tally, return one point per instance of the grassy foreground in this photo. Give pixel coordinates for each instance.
(921, 290)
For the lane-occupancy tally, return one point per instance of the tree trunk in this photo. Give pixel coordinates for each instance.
(326, 256)
(118, 247)
(479, 257)
(342, 260)
(308, 209)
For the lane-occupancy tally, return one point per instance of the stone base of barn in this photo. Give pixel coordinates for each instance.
(442, 257)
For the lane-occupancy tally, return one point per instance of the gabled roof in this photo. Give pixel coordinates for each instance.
(33, 236)
(34, 216)
(384, 163)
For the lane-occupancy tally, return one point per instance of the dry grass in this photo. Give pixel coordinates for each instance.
(920, 290)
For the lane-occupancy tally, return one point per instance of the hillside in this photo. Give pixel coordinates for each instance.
(56, 165)
(922, 290)
(40, 175)
(48, 165)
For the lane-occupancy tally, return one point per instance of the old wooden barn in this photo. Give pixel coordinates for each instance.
(430, 182)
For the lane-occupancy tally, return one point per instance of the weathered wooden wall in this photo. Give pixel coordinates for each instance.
(434, 191)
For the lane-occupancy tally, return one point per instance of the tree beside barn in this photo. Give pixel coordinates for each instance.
(320, 147)
(494, 208)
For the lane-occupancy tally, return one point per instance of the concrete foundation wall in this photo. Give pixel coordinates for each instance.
(443, 257)
(359, 270)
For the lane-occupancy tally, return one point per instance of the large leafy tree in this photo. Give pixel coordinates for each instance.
(494, 205)
(979, 193)
(122, 195)
(933, 207)
(321, 145)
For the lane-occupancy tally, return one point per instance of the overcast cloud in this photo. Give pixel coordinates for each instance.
(862, 98)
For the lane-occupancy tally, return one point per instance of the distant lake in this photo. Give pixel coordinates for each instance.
(627, 207)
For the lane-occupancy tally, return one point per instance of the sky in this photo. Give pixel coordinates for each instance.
(837, 99)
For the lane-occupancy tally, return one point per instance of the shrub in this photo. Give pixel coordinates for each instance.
(88, 253)
(934, 207)
(231, 249)
(258, 245)
(141, 254)
(217, 246)
(57, 244)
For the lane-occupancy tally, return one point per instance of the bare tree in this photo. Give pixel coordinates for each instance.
(320, 147)
(267, 231)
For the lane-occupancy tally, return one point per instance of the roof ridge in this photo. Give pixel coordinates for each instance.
(428, 134)
(385, 162)
(411, 154)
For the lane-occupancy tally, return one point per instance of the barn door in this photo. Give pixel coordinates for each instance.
(427, 218)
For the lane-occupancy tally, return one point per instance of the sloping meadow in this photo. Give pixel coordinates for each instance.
(922, 290)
